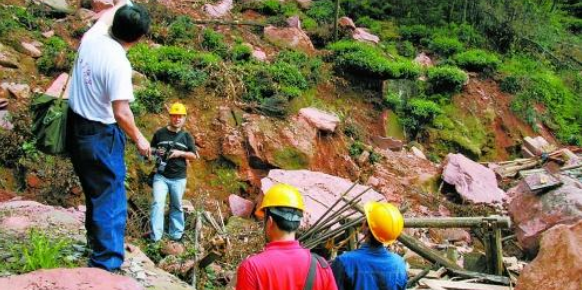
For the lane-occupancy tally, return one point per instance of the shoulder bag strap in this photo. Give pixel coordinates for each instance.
(312, 273)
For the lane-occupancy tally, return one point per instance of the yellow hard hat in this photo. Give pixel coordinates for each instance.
(384, 220)
(281, 195)
(178, 109)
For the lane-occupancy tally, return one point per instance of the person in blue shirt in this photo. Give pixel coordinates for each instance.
(372, 266)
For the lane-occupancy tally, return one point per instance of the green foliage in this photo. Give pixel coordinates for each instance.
(477, 60)
(406, 49)
(308, 23)
(240, 52)
(227, 180)
(151, 98)
(465, 33)
(56, 57)
(181, 31)
(287, 75)
(321, 11)
(445, 45)
(310, 67)
(214, 42)
(356, 148)
(270, 7)
(154, 251)
(510, 84)
(414, 33)
(386, 30)
(182, 68)
(365, 60)
(446, 79)
(376, 9)
(44, 252)
(417, 114)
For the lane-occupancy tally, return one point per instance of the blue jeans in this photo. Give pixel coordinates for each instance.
(97, 152)
(161, 187)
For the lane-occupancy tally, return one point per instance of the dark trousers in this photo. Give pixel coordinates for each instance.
(97, 153)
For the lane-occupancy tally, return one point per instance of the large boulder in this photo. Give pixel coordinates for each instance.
(346, 22)
(58, 86)
(473, 181)
(558, 265)
(70, 279)
(57, 5)
(289, 37)
(319, 190)
(21, 215)
(219, 9)
(533, 214)
(363, 35)
(325, 122)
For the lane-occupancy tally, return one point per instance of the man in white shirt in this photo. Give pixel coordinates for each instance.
(99, 118)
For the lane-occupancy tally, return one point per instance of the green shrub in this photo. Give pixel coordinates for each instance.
(287, 75)
(214, 42)
(446, 79)
(270, 7)
(151, 98)
(465, 33)
(510, 84)
(414, 33)
(445, 45)
(574, 25)
(43, 252)
(376, 9)
(477, 60)
(406, 49)
(181, 31)
(417, 114)
(56, 57)
(321, 11)
(308, 23)
(310, 67)
(356, 149)
(240, 52)
(289, 9)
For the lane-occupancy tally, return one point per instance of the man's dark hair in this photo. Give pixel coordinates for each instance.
(130, 23)
(282, 223)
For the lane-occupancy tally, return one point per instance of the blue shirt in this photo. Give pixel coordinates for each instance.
(370, 268)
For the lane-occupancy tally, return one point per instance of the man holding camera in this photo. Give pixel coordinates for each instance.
(174, 147)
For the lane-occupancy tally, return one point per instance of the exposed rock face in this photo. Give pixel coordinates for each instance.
(259, 54)
(289, 37)
(22, 215)
(533, 214)
(423, 60)
(558, 265)
(240, 206)
(473, 181)
(294, 21)
(70, 279)
(323, 121)
(219, 9)
(346, 22)
(58, 86)
(20, 91)
(319, 190)
(362, 34)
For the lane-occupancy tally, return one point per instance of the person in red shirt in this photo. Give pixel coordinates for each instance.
(283, 264)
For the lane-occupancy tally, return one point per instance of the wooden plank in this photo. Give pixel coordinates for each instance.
(431, 274)
(445, 284)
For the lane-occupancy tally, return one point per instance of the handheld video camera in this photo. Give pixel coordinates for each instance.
(161, 158)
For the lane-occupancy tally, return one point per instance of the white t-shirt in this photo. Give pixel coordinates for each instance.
(101, 75)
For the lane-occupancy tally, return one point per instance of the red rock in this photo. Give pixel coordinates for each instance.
(294, 21)
(233, 148)
(388, 143)
(218, 10)
(240, 206)
(31, 50)
(323, 121)
(100, 5)
(33, 181)
(533, 214)
(346, 22)
(289, 37)
(259, 54)
(172, 249)
(423, 60)
(58, 85)
(70, 279)
(20, 91)
(319, 190)
(536, 146)
(558, 265)
(363, 35)
(473, 181)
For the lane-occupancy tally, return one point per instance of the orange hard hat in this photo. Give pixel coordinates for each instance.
(384, 220)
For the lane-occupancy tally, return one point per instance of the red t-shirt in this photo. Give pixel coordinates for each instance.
(282, 266)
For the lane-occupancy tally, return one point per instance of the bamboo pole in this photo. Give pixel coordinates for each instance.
(455, 222)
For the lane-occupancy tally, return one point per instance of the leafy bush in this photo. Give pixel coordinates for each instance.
(376, 9)
(356, 149)
(310, 67)
(270, 7)
(44, 253)
(477, 60)
(287, 75)
(321, 11)
(184, 69)
(510, 84)
(240, 52)
(445, 45)
(181, 31)
(414, 33)
(406, 49)
(446, 79)
(418, 113)
(214, 42)
(151, 98)
(366, 60)
(465, 33)
(57, 56)
(308, 23)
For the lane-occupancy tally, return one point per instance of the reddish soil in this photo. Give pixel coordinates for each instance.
(480, 95)
(6, 195)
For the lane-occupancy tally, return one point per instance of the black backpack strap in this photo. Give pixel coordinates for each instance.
(312, 273)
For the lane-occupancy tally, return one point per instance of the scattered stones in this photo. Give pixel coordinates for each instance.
(323, 121)
(558, 264)
(473, 181)
(240, 206)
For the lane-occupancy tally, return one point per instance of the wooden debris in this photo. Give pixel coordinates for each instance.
(431, 274)
(445, 284)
